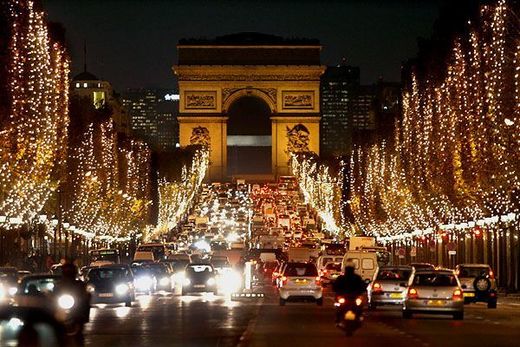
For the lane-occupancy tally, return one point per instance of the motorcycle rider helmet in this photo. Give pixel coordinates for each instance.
(69, 270)
(350, 267)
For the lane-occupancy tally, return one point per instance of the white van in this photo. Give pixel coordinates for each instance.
(144, 256)
(365, 263)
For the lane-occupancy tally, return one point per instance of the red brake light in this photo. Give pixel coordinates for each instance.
(284, 280)
(341, 300)
(491, 274)
(412, 293)
(457, 294)
(377, 287)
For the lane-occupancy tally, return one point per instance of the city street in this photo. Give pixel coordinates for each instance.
(207, 320)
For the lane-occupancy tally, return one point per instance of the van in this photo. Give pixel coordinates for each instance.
(365, 263)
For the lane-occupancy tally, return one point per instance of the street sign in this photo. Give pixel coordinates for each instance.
(452, 252)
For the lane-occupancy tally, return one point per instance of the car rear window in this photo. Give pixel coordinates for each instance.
(107, 274)
(434, 280)
(301, 270)
(333, 266)
(367, 264)
(393, 274)
(473, 271)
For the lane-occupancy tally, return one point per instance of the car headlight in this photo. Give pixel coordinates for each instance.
(3, 292)
(122, 289)
(144, 282)
(12, 291)
(164, 281)
(91, 288)
(66, 301)
(186, 282)
(211, 282)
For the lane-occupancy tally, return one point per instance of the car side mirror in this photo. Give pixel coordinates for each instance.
(403, 285)
(464, 286)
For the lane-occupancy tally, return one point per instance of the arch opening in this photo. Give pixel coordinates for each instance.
(249, 148)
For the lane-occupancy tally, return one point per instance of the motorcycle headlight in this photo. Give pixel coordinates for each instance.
(211, 282)
(122, 289)
(12, 291)
(164, 281)
(66, 301)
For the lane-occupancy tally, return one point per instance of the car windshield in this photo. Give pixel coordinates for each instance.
(180, 264)
(219, 262)
(435, 280)
(473, 271)
(301, 270)
(393, 274)
(39, 285)
(199, 268)
(157, 268)
(107, 274)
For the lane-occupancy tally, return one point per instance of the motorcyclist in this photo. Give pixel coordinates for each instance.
(348, 284)
(69, 284)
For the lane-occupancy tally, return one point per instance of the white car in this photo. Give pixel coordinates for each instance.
(300, 281)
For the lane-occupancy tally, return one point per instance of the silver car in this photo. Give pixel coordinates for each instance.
(300, 281)
(388, 286)
(437, 292)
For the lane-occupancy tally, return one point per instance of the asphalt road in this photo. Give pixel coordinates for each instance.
(207, 320)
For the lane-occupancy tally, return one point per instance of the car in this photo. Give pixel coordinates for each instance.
(199, 277)
(163, 276)
(144, 279)
(388, 286)
(267, 269)
(300, 281)
(324, 259)
(422, 266)
(478, 282)
(330, 272)
(434, 292)
(8, 283)
(111, 284)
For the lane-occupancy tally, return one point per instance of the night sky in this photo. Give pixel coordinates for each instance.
(132, 43)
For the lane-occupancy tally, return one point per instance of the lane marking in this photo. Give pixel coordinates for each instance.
(246, 336)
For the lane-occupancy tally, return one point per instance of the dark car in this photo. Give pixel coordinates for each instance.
(111, 284)
(199, 277)
(163, 276)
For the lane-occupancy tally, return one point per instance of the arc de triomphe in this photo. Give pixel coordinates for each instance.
(284, 73)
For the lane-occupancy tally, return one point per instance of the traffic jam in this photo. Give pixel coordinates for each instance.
(250, 241)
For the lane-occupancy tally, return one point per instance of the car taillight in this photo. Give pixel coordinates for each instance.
(377, 287)
(275, 274)
(318, 281)
(359, 301)
(341, 300)
(491, 274)
(412, 293)
(284, 280)
(457, 294)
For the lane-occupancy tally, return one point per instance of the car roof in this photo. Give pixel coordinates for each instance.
(436, 271)
(396, 267)
(474, 265)
(38, 276)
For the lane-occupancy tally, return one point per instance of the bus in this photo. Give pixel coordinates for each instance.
(158, 250)
(104, 256)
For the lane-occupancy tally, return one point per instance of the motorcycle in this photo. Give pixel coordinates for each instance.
(73, 311)
(349, 311)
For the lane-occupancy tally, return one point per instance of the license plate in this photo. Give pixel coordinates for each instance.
(301, 282)
(469, 295)
(106, 295)
(436, 302)
(199, 286)
(350, 315)
(395, 296)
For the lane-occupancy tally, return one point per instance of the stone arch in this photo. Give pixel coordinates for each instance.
(230, 95)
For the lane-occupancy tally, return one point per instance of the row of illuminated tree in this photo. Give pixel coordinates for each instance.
(89, 179)
(455, 160)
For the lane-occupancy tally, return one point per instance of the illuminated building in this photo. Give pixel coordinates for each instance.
(338, 86)
(153, 116)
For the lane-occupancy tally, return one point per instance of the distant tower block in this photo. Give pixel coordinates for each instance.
(283, 73)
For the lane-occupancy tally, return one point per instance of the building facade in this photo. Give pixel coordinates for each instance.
(339, 86)
(281, 74)
(153, 116)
